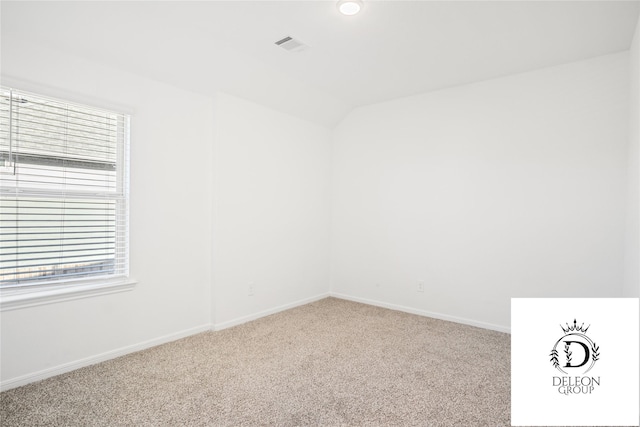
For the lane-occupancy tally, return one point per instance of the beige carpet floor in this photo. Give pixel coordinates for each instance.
(329, 363)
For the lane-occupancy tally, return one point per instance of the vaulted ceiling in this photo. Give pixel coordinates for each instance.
(391, 49)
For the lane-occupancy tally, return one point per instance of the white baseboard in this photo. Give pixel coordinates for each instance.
(92, 360)
(67, 367)
(425, 313)
(254, 316)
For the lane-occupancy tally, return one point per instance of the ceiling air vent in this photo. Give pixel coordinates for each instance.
(291, 44)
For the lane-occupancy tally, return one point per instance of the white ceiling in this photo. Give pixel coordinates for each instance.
(391, 49)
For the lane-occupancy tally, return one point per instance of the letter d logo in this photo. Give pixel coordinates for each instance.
(586, 354)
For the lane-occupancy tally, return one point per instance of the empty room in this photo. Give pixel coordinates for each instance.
(323, 213)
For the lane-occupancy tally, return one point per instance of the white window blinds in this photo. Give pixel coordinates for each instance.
(64, 191)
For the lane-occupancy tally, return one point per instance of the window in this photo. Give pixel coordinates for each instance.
(64, 194)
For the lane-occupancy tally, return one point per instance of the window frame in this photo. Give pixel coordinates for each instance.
(34, 294)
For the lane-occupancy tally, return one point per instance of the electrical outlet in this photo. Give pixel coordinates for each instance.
(420, 286)
(251, 289)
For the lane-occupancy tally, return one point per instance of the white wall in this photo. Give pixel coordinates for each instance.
(171, 140)
(513, 187)
(632, 247)
(271, 210)
(510, 187)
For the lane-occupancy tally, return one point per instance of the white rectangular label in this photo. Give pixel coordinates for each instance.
(575, 361)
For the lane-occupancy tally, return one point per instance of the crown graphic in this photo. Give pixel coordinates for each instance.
(575, 327)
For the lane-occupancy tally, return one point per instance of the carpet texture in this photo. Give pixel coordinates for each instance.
(329, 363)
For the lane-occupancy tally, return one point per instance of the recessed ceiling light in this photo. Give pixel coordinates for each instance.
(349, 7)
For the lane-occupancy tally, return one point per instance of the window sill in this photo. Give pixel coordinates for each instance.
(13, 299)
